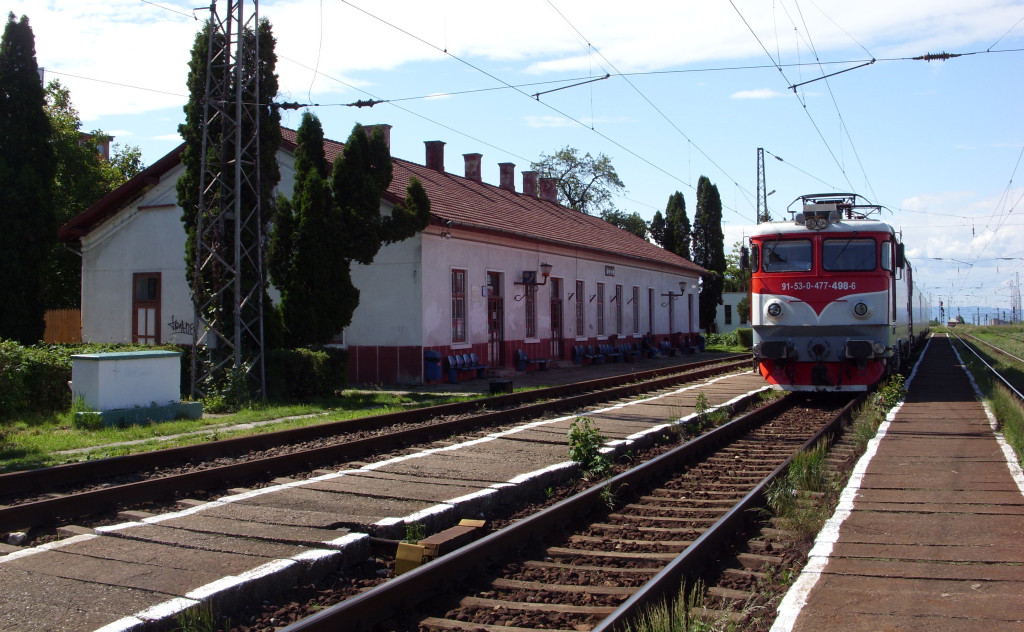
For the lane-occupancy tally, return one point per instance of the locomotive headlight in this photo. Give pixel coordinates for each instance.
(860, 309)
(809, 223)
(775, 310)
(879, 348)
(821, 223)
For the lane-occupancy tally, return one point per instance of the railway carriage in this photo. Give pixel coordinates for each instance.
(833, 303)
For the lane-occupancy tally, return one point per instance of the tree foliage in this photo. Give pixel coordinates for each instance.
(672, 231)
(330, 223)
(219, 152)
(709, 250)
(631, 222)
(585, 183)
(27, 170)
(82, 178)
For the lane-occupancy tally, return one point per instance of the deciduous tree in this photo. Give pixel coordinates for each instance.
(83, 177)
(27, 169)
(631, 222)
(585, 183)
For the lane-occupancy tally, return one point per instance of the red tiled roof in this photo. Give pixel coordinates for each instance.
(453, 198)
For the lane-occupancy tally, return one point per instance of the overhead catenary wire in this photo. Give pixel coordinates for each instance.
(548, 105)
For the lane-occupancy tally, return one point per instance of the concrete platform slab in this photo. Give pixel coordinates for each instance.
(918, 569)
(384, 488)
(341, 504)
(141, 575)
(301, 536)
(29, 603)
(200, 541)
(934, 529)
(990, 553)
(273, 515)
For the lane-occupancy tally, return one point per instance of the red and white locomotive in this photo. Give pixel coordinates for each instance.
(833, 304)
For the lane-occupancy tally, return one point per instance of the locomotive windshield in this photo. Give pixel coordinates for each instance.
(787, 256)
(848, 254)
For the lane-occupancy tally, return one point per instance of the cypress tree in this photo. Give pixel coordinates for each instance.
(709, 250)
(268, 119)
(677, 234)
(27, 170)
(328, 225)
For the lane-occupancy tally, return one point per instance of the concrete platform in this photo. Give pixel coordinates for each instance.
(928, 534)
(143, 573)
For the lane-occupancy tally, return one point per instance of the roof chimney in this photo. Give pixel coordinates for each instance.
(548, 190)
(435, 154)
(507, 176)
(530, 183)
(382, 126)
(473, 166)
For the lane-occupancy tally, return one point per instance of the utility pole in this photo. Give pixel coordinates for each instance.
(227, 287)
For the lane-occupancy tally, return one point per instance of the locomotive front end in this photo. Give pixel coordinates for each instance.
(822, 299)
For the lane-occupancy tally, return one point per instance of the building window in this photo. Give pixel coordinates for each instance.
(146, 308)
(531, 311)
(458, 306)
(600, 309)
(636, 310)
(728, 314)
(618, 309)
(581, 304)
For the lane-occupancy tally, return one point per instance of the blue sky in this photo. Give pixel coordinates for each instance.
(695, 90)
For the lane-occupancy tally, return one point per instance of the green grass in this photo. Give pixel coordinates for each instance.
(37, 441)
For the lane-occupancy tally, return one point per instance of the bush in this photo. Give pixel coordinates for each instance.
(306, 373)
(745, 335)
(34, 379)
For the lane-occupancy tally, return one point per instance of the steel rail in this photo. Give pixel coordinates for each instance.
(94, 501)
(991, 368)
(378, 604)
(688, 566)
(30, 481)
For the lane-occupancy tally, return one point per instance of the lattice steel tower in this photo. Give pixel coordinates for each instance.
(762, 197)
(228, 279)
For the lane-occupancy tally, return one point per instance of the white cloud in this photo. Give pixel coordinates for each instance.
(760, 93)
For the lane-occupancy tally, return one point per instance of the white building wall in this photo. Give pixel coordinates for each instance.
(390, 311)
(147, 239)
(441, 256)
(731, 299)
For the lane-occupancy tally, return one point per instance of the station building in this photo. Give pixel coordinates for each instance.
(496, 271)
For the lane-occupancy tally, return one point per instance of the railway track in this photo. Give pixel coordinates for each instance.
(596, 560)
(1014, 388)
(66, 492)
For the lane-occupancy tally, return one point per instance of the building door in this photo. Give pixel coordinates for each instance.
(146, 308)
(556, 319)
(495, 320)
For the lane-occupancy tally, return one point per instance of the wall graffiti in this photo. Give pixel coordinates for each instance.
(176, 326)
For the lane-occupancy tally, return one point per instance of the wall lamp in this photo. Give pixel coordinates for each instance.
(673, 296)
(530, 280)
(530, 276)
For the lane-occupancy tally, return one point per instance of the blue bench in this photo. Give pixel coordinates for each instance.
(581, 353)
(630, 351)
(464, 362)
(523, 361)
(610, 352)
